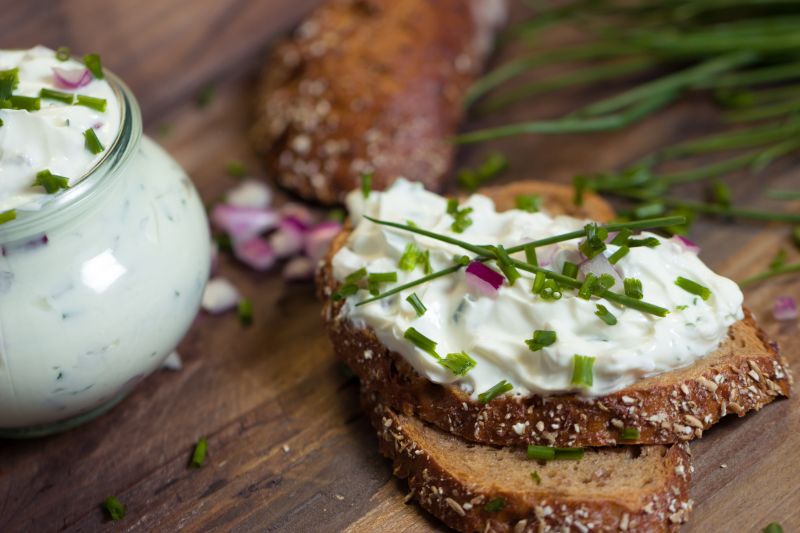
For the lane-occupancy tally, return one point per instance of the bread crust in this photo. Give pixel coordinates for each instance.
(745, 373)
(371, 85)
(460, 502)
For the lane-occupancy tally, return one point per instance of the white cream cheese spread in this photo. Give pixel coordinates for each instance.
(51, 137)
(492, 328)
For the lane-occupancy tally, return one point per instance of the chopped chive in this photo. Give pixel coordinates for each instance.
(408, 261)
(51, 94)
(204, 96)
(551, 290)
(421, 341)
(458, 363)
(633, 288)
(621, 252)
(693, 287)
(721, 193)
(605, 281)
(92, 62)
(650, 242)
(461, 218)
(1, 122)
(348, 289)
(51, 182)
(648, 210)
(495, 505)
(98, 104)
(92, 143)
(530, 255)
(549, 453)
(528, 202)
(425, 261)
(199, 453)
(630, 434)
(471, 179)
(8, 216)
(337, 214)
(27, 103)
(504, 262)
(9, 80)
(594, 243)
(416, 303)
(382, 277)
(420, 281)
(366, 184)
(570, 270)
(245, 311)
(62, 53)
(236, 169)
(585, 291)
(621, 238)
(536, 477)
(682, 307)
(538, 282)
(541, 338)
(356, 276)
(605, 315)
(773, 527)
(582, 374)
(114, 508)
(501, 387)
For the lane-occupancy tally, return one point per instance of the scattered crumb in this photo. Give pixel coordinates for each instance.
(723, 465)
(286, 448)
(338, 497)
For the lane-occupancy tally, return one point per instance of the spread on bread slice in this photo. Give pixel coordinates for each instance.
(475, 487)
(371, 86)
(658, 363)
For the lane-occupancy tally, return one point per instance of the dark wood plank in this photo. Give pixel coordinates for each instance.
(288, 446)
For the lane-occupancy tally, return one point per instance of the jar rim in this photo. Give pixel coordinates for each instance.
(31, 222)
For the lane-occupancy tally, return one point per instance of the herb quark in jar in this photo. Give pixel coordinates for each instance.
(104, 241)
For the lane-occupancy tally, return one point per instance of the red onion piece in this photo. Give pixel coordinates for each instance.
(219, 296)
(599, 265)
(255, 253)
(299, 268)
(288, 239)
(687, 244)
(250, 193)
(298, 212)
(785, 308)
(71, 78)
(242, 223)
(318, 239)
(483, 278)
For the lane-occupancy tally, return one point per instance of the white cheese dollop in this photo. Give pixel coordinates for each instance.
(493, 329)
(52, 137)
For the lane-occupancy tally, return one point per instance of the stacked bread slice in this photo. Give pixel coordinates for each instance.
(466, 462)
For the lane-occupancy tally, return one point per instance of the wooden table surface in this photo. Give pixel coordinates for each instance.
(289, 448)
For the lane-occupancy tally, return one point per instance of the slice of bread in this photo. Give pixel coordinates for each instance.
(743, 374)
(371, 85)
(631, 488)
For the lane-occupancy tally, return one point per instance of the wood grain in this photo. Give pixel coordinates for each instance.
(289, 449)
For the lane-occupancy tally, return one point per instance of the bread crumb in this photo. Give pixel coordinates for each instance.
(286, 448)
(723, 465)
(338, 497)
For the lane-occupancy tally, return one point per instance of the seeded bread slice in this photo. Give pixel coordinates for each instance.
(631, 488)
(371, 85)
(743, 374)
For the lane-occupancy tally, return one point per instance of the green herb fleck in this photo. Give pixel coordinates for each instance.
(541, 338)
(92, 143)
(493, 165)
(538, 282)
(461, 218)
(549, 453)
(621, 238)
(594, 243)
(621, 252)
(366, 184)
(551, 291)
(458, 363)
(421, 341)
(8, 216)
(62, 53)
(199, 453)
(630, 434)
(245, 311)
(51, 182)
(408, 261)
(586, 289)
(650, 242)
(501, 387)
(416, 303)
(570, 270)
(531, 203)
(236, 169)
(633, 288)
(536, 477)
(582, 374)
(605, 315)
(27, 103)
(92, 62)
(114, 508)
(98, 104)
(60, 96)
(495, 505)
(773, 527)
(693, 287)
(504, 262)
(9, 79)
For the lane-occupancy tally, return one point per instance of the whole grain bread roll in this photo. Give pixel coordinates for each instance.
(371, 86)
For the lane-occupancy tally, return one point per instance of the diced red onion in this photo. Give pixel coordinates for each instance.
(545, 254)
(599, 265)
(687, 244)
(250, 193)
(298, 212)
(299, 268)
(288, 239)
(785, 308)
(256, 253)
(484, 279)
(318, 239)
(611, 236)
(219, 296)
(173, 362)
(71, 78)
(242, 223)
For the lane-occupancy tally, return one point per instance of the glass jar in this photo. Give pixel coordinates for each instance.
(99, 285)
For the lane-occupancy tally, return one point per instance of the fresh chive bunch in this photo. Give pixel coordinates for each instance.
(743, 54)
